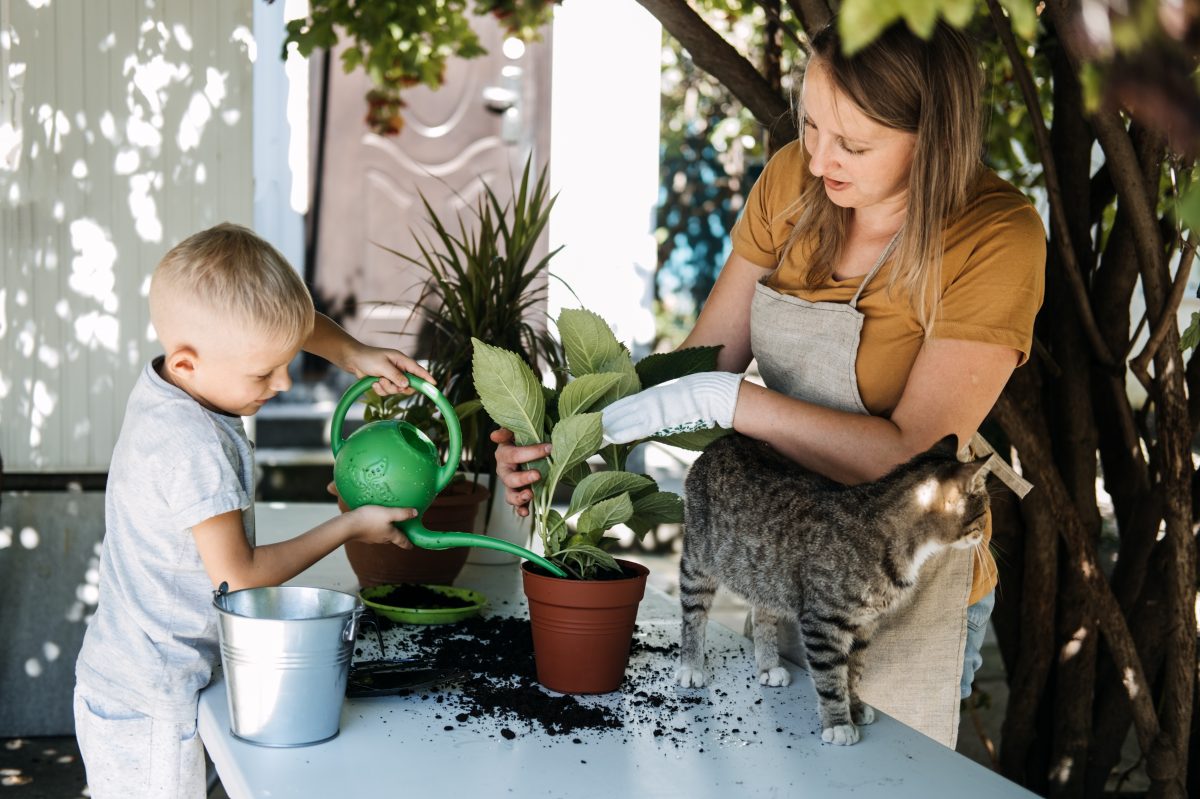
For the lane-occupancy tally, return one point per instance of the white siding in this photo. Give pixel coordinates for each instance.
(134, 120)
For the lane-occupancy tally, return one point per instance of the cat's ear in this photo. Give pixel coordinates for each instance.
(946, 448)
(974, 473)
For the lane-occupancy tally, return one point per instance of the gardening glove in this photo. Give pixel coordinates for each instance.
(694, 402)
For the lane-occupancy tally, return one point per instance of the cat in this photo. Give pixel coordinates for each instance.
(837, 558)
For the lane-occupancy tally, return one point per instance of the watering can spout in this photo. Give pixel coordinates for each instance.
(425, 538)
(390, 462)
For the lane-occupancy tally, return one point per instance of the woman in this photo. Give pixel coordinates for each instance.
(887, 283)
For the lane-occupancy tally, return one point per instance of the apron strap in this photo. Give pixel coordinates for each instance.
(979, 447)
(883, 256)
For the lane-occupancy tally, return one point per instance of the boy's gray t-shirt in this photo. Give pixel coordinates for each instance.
(152, 642)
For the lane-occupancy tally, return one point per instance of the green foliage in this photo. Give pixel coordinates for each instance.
(482, 282)
(601, 371)
(403, 43)
(1191, 336)
(861, 21)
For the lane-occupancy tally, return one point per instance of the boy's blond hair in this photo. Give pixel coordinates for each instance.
(229, 273)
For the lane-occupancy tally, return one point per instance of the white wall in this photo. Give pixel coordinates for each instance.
(604, 162)
(281, 113)
(124, 126)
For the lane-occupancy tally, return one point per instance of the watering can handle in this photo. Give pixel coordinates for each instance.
(449, 417)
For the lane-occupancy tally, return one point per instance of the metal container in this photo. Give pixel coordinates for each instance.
(286, 652)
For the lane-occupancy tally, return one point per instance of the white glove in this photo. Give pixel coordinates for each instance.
(694, 402)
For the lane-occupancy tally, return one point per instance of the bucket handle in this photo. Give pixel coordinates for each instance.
(220, 594)
(350, 631)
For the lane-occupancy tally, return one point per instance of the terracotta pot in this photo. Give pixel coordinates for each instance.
(454, 510)
(582, 629)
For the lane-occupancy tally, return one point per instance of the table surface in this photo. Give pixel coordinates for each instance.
(743, 740)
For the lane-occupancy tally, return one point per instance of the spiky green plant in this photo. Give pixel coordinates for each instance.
(483, 282)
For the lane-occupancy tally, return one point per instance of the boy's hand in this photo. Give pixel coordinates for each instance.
(374, 524)
(389, 365)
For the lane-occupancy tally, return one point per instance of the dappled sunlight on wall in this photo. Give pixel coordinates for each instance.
(124, 127)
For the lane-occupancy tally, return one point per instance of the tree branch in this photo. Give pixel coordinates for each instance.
(720, 59)
(1032, 439)
(1132, 191)
(1058, 217)
(1019, 404)
(1166, 322)
(773, 19)
(813, 14)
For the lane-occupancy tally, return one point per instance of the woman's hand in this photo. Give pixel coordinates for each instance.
(509, 460)
(695, 402)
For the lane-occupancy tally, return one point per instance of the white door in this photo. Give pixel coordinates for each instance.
(450, 145)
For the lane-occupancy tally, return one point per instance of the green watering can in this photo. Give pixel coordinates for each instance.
(390, 462)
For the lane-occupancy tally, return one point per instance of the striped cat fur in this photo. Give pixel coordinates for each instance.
(836, 558)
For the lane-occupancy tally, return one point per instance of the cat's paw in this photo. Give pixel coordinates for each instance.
(863, 714)
(689, 677)
(840, 735)
(776, 677)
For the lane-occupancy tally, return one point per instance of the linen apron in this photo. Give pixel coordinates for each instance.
(914, 664)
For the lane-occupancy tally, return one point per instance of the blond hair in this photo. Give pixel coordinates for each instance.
(229, 272)
(932, 89)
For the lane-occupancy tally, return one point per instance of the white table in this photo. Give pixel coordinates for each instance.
(752, 741)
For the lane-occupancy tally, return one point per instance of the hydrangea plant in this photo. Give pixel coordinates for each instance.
(600, 370)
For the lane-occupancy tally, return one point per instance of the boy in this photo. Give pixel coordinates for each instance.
(179, 515)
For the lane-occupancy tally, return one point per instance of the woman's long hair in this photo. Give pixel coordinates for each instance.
(932, 89)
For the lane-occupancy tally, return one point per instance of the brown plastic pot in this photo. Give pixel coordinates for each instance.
(582, 629)
(454, 510)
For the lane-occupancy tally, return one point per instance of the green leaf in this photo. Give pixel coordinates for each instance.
(1023, 14)
(467, 409)
(629, 383)
(662, 507)
(1187, 210)
(663, 366)
(921, 16)
(603, 485)
(576, 474)
(604, 514)
(1091, 79)
(588, 340)
(696, 440)
(555, 534)
(861, 21)
(958, 12)
(1191, 336)
(510, 393)
(573, 441)
(583, 392)
(588, 560)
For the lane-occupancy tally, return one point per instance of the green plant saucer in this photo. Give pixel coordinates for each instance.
(475, 602)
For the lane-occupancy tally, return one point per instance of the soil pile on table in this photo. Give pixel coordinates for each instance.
(498, 650)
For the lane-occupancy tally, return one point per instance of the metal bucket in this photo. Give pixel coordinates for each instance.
(286, 653)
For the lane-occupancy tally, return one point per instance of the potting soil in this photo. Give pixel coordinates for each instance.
(503, 688)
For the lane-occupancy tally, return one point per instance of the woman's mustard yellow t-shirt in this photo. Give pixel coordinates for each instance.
(993, 278)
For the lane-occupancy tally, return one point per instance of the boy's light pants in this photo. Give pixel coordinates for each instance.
(131, 756)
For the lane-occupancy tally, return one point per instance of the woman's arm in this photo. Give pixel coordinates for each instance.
(952, 386)
(725, 317)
